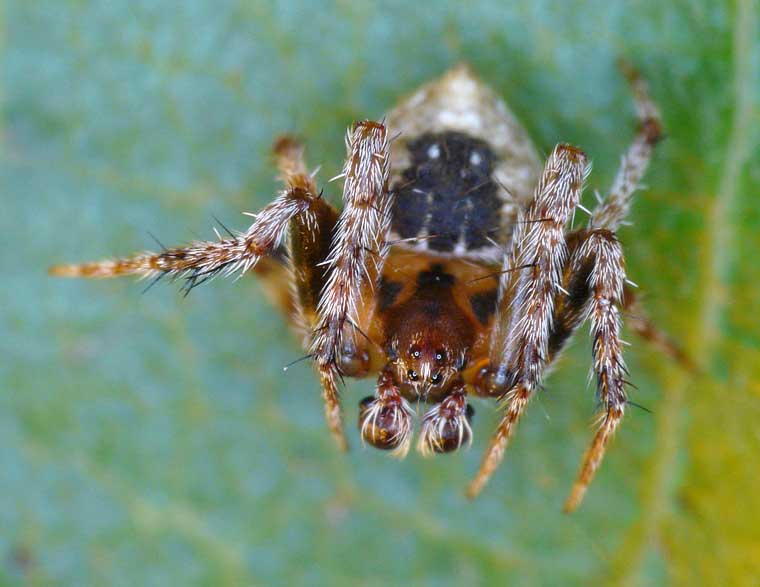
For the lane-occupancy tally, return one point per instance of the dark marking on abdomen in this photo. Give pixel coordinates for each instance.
(448, 191)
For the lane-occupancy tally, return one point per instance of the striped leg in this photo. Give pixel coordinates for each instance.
(309, 237)
(606, 280)
(532, 277)
(614, 209)
(357, 253)
(200, 261)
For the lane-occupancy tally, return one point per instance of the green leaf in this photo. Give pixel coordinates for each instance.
(151, 439)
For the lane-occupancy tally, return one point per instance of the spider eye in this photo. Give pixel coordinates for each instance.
(415, 352)
(440, 356)
(435, 379)
(412, 374)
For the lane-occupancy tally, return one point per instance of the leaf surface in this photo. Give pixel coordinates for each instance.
(150, 439)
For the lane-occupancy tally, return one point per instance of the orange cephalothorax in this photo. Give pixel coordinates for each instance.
(428, 336)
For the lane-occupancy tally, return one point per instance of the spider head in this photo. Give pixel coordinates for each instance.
(425, 362)
(428, 335)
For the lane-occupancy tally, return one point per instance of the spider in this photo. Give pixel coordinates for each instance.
(450, 271)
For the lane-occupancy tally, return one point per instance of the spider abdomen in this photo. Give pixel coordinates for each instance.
(447, 195)
(461, 167)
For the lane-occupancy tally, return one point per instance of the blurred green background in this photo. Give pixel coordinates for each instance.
(154, 440)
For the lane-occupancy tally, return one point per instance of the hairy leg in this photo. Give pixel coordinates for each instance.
(613, 210)
(531, 279)
(570, 305)
(606, 280)
(202, 260)
(309, 237)
(357, 253)
(581, 280)
(615, 207)
(609, 214)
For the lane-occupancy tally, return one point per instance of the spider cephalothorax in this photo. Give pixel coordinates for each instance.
(449, 272)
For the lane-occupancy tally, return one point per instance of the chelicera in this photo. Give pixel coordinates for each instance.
(450, 272)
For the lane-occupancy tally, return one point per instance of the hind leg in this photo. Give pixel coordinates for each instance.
(613, 210)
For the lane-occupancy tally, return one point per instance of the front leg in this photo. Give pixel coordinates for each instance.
(531, 279)
(358, 251)
(603, 251)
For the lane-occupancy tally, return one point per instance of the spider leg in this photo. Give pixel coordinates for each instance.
(529, 283)
(611, 212)
(602, 249)
(615, 207)
(291, 276)
(299, 212)
(358, 251)
(570, 307)
(309, 237)
(200, 261)
(570, 304)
